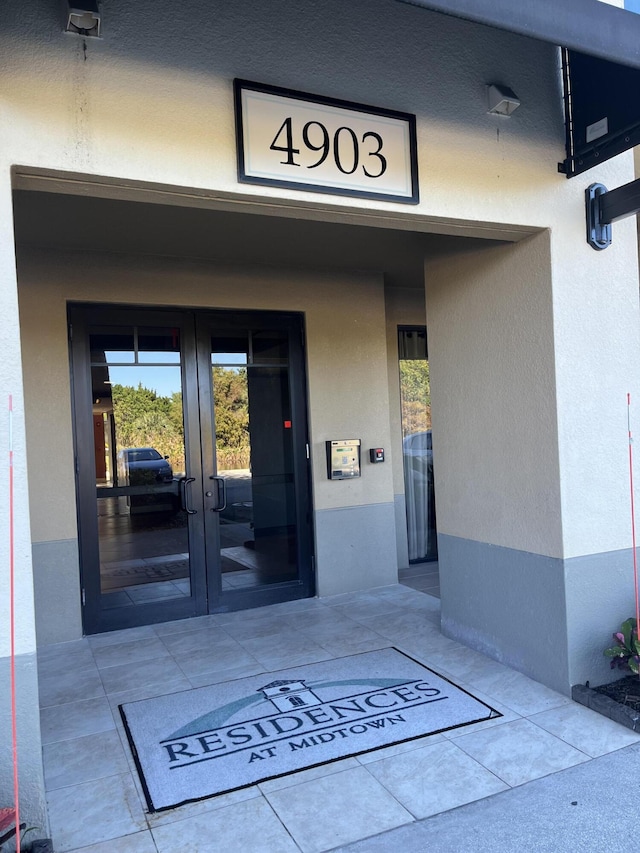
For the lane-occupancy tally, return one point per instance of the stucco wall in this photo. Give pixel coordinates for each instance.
(493, 396)
(155, 85)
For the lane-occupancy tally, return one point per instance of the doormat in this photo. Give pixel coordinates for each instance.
(206, 741)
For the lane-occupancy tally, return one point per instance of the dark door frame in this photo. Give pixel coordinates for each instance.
(206, 595)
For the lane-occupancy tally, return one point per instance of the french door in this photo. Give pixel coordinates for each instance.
(191, 460)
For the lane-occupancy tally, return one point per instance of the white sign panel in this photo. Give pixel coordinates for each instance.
(291, 139)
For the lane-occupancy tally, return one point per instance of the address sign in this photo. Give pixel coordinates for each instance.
(301, 141)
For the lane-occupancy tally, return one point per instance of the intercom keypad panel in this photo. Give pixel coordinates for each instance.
(343, 459)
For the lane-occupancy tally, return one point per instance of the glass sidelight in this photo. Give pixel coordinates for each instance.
(192, 464)
(417, 450)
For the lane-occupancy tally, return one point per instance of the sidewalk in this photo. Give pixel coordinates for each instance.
(592, 807)
(425, 787)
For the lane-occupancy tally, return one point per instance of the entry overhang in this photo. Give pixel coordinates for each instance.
(588, 26)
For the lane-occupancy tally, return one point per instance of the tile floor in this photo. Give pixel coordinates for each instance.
(94, 796)
(425, 577)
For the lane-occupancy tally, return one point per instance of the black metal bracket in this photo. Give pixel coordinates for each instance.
(606, 206)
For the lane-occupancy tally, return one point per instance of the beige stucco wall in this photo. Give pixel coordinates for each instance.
(492, 365)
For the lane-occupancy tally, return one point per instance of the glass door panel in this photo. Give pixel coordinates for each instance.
(254, 458)
(142, 557)
(140, 465)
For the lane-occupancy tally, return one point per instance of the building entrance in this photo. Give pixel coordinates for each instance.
(192, 462)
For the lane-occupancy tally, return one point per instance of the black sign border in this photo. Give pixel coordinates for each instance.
(240, 85)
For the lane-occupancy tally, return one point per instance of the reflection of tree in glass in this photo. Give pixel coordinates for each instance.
(415, 395)
(232, 417)
(144, 419)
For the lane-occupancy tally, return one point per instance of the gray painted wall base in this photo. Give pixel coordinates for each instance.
(33, 807)
(508, 604)
(600, 595)
(546, 617)
(356, 548)
(56, 585)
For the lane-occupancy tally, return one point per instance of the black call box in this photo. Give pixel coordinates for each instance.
(343, 458)
(376, 454)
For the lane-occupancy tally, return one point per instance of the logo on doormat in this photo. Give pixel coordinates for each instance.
(302, 719)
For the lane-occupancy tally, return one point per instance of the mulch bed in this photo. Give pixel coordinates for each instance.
(626, 691)
(619, 700)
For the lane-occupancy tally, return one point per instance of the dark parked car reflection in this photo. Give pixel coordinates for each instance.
(142, 466)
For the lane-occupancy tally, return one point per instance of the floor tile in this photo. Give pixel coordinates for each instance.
(524, 695)
(230, 674)
(60, 657)
(343, 646)
(246, 826)
(118, 654)
(93, 812)
(519, 751)
(201, 661)
(338, 629)
(209, 638)
(337, 809)
(148, 674)
(292, 779)
(126, 635)
(141, 842)
(72, 762)
(254, 629)
(284, 649)
(71, 686)
(177, 626)
(464, 664)
(163, 688)
(375, 608)
(587, 731)
(283, 658)
(209, 804)
(403, 624)
(398, 748)
(435, 778)
(75, 719)
(320, 620)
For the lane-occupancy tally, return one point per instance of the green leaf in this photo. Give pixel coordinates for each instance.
(616, 652)
(627, 629)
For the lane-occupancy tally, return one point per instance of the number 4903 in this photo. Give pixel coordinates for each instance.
(346, 148)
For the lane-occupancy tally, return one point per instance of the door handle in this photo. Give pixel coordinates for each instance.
(184, 482)
(222, 494)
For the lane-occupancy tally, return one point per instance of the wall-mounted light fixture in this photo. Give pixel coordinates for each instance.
(502, 100)
(82, 17)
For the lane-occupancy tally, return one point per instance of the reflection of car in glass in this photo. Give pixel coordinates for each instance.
(139, 466)
(418, 447)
